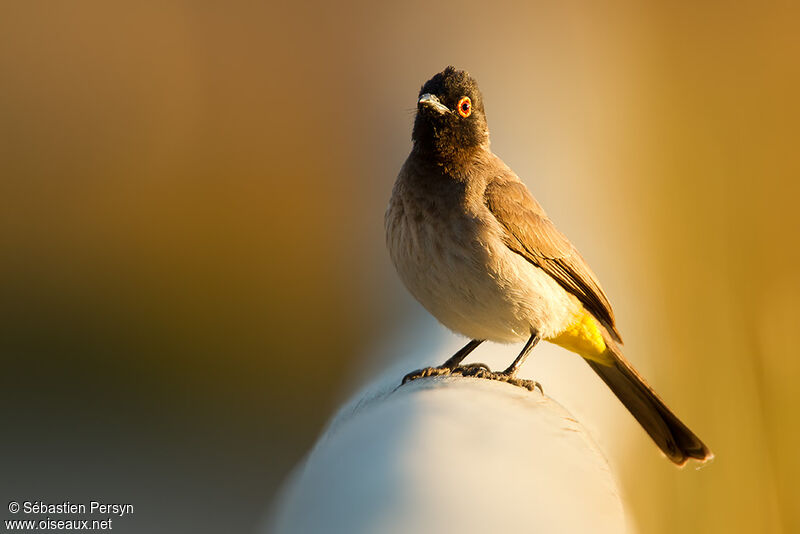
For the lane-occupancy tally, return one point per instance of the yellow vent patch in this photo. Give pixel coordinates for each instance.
(583, 336)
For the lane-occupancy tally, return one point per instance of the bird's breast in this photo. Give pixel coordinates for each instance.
(452, 258)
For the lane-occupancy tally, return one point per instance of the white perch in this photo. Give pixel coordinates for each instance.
(452, 454)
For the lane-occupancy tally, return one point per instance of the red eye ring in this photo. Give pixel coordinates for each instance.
(464, 107)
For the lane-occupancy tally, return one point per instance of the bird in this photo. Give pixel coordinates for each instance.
(473, 246)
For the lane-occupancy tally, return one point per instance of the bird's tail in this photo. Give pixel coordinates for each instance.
(675, 440)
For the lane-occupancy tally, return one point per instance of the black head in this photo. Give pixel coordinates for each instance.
(450, 117)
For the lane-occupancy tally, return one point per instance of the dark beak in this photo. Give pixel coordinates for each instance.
(432, 102)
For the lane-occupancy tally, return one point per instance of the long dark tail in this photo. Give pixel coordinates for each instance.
(670, 434)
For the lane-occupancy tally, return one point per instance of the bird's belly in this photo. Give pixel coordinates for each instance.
(475, 285)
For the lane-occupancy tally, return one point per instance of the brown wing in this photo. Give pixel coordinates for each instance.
(531, 234)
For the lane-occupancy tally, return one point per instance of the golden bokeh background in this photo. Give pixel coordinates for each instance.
(191, 203)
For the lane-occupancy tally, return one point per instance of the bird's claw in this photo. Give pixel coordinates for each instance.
(474, 370)
(471, 366)
(426, 371)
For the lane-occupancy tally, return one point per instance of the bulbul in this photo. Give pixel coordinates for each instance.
(474, 247)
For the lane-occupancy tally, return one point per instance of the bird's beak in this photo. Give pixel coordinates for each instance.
(431, 101)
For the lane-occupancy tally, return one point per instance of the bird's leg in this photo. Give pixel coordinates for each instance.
(515, 365)
(448, 366)
(478, 370)
(459, 356)
(507, 375)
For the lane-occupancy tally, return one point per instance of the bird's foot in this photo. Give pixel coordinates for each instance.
(445, 370)
(504, 376)
(426, 371)
(470, 367)
(474, 370)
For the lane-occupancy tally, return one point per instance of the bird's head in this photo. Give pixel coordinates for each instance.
(450, 117)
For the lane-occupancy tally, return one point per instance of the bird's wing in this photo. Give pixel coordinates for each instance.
(531, 234)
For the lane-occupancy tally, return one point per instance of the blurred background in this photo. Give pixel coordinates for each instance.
(192, 267)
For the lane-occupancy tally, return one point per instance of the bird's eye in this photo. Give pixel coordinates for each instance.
(464, 107)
